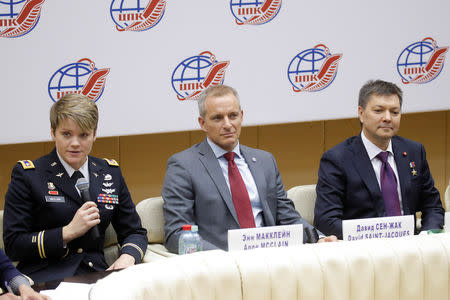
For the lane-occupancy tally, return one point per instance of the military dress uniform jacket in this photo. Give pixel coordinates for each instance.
(41, 199)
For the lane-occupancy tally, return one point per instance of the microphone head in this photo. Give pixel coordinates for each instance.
(82, 184)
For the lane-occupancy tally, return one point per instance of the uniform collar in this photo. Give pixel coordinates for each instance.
(84, 169)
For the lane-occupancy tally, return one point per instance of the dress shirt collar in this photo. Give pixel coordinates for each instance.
(83, 169)
(219, 152)
(372, 149)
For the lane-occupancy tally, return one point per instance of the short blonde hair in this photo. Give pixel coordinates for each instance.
(77, 107)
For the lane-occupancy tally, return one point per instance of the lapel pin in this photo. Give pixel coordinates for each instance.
(405, 154)
(95, 174)
(253, 159)
(50, 185)
(60, 175)
(414, 172)
(53, 164)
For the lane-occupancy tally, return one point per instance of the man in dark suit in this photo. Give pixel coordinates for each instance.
(46, 222)
(202, 185)
(376, 173)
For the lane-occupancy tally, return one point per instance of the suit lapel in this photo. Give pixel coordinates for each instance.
(364, 167)
(403, 170)
(58, 175)
(209, 161)
(257, 171)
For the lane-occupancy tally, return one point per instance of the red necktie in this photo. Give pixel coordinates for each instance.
(389, 186)
(239, 194)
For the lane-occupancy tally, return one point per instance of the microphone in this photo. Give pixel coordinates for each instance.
(83, 186)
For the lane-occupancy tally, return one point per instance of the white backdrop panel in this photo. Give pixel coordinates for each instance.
(138, 96)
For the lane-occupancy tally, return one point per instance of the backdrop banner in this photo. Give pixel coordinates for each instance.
(145, 62)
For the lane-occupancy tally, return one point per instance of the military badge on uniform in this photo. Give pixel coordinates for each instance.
(108, 177)
(50, 185)
(412, 165)
(108, 198)
(109, 191)
(109, 206)
(53, 164)
(108, 184)
(60, 175)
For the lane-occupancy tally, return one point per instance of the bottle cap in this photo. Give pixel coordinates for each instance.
(186, 227)
(194, 228)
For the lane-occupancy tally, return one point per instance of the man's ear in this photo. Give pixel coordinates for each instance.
(360, 113)
(201, 122)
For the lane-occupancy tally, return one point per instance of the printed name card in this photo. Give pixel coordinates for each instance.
(377, 228)
(265, 237)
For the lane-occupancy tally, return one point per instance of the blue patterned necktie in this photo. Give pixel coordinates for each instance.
(389, 186)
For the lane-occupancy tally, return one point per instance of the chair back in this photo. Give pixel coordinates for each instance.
(304, 198)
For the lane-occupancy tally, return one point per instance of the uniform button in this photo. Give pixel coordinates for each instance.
(80, 250)
(90, 264)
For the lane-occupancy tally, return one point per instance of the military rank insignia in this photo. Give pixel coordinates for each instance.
(27, 164)
(112, 162)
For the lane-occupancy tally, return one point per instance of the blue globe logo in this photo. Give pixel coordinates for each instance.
(9, 11)
(125, 13)
(414, 58)
(69, 79)
(190, 73)
(253, 12)
(303, 68)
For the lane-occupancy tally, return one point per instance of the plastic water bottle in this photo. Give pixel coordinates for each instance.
(190, 240)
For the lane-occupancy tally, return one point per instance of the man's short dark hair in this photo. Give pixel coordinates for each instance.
(378, 88)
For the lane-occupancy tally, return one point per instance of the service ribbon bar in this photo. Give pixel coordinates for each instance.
(107, 198)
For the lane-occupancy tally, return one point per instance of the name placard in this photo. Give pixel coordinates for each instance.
(265, 237)
(377, 228)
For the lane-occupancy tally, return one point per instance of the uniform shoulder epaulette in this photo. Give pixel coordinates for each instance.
(112, 162)
(27, 164)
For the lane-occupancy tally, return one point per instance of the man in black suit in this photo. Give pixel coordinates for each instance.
(353, 176)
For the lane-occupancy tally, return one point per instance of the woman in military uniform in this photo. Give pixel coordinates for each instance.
(47, 224)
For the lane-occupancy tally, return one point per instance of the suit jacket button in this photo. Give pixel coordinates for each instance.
(90, 264)
(80, 250)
